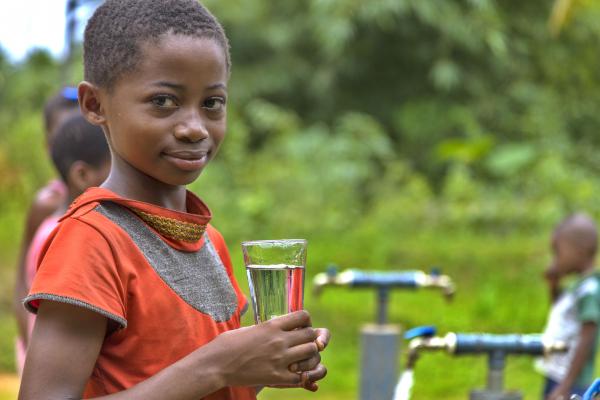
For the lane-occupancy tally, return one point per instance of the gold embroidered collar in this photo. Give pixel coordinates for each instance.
(173, 228)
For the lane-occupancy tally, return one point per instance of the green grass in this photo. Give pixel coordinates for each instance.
(500, 289)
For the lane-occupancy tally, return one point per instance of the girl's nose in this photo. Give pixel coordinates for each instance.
(191, 130)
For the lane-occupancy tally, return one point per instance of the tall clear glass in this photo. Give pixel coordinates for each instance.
(275, 271)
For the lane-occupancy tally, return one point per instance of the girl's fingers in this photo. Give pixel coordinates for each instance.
(311, 386)
(323, 338)
(306, 380)
(295, 320)
(317, 374)
(308, 384)
(301, 336)
(306, 365)
(303, 382)
(291, 379)
(301, 352)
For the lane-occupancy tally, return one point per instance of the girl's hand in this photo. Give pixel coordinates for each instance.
(262, 354)
(311, 369)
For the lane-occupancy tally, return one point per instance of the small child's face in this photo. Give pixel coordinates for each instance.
(566, 257)
(167, 118)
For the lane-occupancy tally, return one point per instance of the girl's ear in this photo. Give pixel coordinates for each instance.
(78, 175)
(90, 103)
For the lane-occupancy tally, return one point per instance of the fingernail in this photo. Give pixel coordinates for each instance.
(293, 367)
(320, 345)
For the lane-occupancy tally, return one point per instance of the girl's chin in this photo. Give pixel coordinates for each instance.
(181, 179)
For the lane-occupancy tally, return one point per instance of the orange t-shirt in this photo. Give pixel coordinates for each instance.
(167, 287)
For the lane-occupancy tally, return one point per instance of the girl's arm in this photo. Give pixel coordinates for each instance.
(41, 208)
(67, 339)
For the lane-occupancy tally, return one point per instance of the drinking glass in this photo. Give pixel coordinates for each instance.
(275, 271)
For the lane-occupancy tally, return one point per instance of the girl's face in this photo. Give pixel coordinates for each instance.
(167, 118)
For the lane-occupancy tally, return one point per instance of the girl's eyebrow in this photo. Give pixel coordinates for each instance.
(170, 85)
(179, 87)
(218, 85)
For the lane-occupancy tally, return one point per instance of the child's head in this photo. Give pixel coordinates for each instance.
(118, 30)
(80, 154)
(57, 109)
(574, 244)
(156, 81)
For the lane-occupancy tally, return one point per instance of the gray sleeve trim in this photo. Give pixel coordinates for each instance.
(69, 300)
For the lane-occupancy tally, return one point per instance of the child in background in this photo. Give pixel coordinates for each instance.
(46, 201)
(575, 313)
(81, 156)
(135, 292)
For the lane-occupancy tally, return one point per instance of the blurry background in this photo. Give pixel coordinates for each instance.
(390, 134)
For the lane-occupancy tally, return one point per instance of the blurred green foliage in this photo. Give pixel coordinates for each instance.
(465, 113)
(391, 134)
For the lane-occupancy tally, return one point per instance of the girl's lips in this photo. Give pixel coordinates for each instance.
(187, 161)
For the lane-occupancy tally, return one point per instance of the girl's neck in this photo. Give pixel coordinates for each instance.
(130, 183)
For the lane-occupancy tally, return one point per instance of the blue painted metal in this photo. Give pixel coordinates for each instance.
(593, 392)
(497, 347)
(485, 342)
(380, 342)
(404, 279)
(420, 331)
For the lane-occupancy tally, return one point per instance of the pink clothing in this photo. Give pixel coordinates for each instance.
(31, 261)
(42, 233)
(52, 188)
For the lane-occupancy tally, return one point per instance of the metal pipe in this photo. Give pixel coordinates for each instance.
(380, 342)
(383, 279)
(383, 295)
(495, 377)
(497, 347)
(508, 343)
(380, 345)
(475, 343)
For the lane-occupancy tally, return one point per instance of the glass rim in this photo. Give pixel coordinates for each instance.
(274, 241)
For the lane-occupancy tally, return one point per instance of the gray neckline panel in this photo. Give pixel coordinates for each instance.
(199, 278)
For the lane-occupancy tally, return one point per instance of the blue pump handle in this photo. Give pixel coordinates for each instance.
(593, 391)
(420, 331)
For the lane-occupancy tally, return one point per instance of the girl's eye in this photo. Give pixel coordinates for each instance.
(214, 104)
(164, 101)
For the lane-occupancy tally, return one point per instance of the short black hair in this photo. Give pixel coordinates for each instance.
(61, 101)
(580, 231)
(78, 140)
(117, 29)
